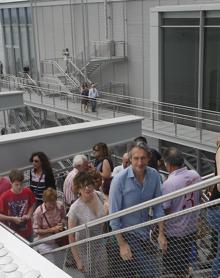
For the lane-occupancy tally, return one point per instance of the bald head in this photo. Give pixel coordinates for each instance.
(125, 160)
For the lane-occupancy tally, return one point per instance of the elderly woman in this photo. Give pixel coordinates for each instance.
(88, 207)
(49, 219)
(103, 162)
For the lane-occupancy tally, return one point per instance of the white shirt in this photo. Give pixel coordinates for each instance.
(117, 169)
(67, 187)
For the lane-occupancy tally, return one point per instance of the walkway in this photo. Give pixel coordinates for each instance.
(173, 127)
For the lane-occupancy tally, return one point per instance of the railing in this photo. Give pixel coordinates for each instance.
(107, 49)
(52, 67)
(108, 261)
(161, 117)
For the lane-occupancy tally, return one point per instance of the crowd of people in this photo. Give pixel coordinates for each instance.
(95, 189)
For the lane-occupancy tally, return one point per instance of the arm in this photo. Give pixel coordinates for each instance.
(158, 211)
(29, 213)
(72, 223)
(38, 225)
(106, 169)
(15, 219)
(217, 159)
(115, 204)
(161, 238)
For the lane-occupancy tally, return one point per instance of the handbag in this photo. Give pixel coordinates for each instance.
(61, 241)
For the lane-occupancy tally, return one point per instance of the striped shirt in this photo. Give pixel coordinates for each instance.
(37, 185)
(67, 187)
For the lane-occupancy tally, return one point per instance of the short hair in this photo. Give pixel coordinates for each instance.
(49, 195)
(81, 180)
(140, 145)
(79, 160)
(140, 139)
(16, 175)
(173, 156)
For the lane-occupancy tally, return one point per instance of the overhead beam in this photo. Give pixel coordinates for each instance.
(62, 142)
(11, 100)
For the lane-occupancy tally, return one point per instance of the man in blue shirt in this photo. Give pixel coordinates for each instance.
(134, 185)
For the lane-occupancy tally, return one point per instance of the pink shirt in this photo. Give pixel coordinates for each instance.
(67, 187)
(55, 216)
(186, 224)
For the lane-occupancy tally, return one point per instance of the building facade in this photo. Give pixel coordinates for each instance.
(171, 52)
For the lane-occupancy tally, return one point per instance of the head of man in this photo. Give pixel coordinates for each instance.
(81, 163)
(173, 159)
(139, 155)
(125, 160)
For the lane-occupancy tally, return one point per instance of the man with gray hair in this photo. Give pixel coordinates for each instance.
(134, 185)
(80, 164)
(180, 231)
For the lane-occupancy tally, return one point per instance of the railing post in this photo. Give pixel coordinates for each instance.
(153, 115)
(53, 101)
(175, 126)
(67, 103)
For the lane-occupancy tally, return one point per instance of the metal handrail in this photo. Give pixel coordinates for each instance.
(74, 81)
(195, 187)
(144, 101)
(198, 119)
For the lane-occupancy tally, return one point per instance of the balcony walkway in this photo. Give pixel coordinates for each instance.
(188, 134)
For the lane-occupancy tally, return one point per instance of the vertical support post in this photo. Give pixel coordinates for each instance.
(153, 115)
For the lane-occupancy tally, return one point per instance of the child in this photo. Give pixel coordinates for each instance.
(18, 203)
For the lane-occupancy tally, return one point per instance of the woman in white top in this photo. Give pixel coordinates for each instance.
(91, 258)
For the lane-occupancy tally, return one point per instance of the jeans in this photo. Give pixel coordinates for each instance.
(214, 221)
(93, 103)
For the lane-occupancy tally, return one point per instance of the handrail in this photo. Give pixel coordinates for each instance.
(74, 81)
(80, 72)
(198, 119)
(137, 226)
(145, 101)
(195, 187)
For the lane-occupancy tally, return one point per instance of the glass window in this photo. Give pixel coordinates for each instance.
(14, 17)
(1, 17)
(180, 65)
(211, 92)
(15, 36)
(6, 16)
(181, 21)
(22, 16)
(24, 46)
(8, 41)
(29, 16)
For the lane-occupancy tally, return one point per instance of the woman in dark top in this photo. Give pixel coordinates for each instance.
(85, 99)
(41, 175)
(214, 214)
(103, 162)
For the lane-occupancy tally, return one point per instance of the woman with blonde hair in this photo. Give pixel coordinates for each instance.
(88, 207)
(49, 219)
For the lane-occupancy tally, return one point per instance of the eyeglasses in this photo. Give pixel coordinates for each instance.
(35, 160)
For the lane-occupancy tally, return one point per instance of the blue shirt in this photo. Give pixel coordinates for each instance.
(126, 191)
